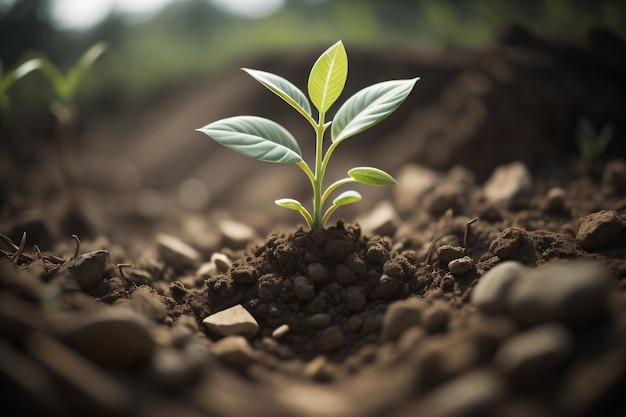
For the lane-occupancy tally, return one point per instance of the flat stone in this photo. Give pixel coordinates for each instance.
(574, 293)
(400, 316)
(236, 234)
(491, 293)
(222, 262)
(87, 269)
(414, 182)
(234, 350)
(235, 320)
(461, 266)
(599, 229)
(175, 252)
(508, 184)
(382, 220)
(528, 355)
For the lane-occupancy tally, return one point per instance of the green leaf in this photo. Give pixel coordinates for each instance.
(371, 176)
(283, 89)
(255, 137)
(78, 71)
(347, 197)
(297, 206)
(328, 77)
(369, 106)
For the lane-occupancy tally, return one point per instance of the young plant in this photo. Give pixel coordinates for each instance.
(592, 143)
(63, 107)
(9, 78)
(266, 140)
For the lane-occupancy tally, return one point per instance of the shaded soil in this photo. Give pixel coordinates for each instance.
(405, 310)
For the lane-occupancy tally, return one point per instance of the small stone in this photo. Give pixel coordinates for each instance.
(175, 252)
(461, 266)
(528, 355)
(599, 229)
(387, 287)
(222, 262)
(114, 336)
(206, 270)
(317, 273)
(506, 245)
(320, 320)
(400, 316)
(414, 182)
(573, 293)
(332, 339)
(435, 317)
(492, 291)
(355, 299)
(87, 269)
(234, 350)
(235, 320)
(280, 331)
(236, 234)
(508, 184)
(382, 220)
(146, 301)
(303, 288)
(555, 200)
(244, 274)
(447, 253)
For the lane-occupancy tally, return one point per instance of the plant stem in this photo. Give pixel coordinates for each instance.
(318, 222)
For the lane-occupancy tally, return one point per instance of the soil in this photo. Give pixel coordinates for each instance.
(489, 282)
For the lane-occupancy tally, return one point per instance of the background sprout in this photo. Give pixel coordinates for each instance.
(592, 143)
(266, 140)
(8, 79)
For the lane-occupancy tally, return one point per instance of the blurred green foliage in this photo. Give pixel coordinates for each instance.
(191, 38)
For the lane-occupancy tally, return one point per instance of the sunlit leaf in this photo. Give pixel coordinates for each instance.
(255, 137)
(283, 89)
(328, 77)
(371, 176)
(369, 106)
(292, 204)
(347, 197)
(78, 71)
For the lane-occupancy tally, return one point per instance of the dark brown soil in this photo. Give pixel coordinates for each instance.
(406, 308)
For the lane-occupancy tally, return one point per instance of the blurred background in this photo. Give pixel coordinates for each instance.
(514, 72)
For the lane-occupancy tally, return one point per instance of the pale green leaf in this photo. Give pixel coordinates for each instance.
(347, 197)
(369, 106)
(255, 137)
(292, 204)
(371, 176)
(283, 89)
(328, 77)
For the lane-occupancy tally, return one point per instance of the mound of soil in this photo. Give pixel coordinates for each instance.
(493, 289)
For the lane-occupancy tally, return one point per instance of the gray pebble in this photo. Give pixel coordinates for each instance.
(599, 229)
(508, 184)
(303, 288)
(491, 293)
(461, 266)
(574, 293)
(530, 354)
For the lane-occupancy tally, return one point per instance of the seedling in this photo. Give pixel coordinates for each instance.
(592, 143)
(266, 140)
(63, 107)
(9, 78)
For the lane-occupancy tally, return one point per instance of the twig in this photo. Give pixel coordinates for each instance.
(77, 250)
(16, 256)
(467, 228)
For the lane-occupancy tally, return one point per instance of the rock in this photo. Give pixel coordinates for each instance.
(555, 200)
(236, 235)
(508, 184)
(113, 336)
(176, 253)
(280, 331)
(447, 253)
(461, 266)
(529, 355)
(435, 317)
(303, 288)
(232, 321)
(355, 299)
(87, 269)
(146, 301)
(414, 181)
(598, 230)
(206, 270)
(221, 261)
(507, 244)
(320, 320)
(234, 350)
(244, 274)
(382, 220)
(573, 293)
(400, 316)
(317, 273)
(492, 291)
(332, 339)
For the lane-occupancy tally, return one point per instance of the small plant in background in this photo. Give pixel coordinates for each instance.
(8, 79)
(266, 140)
(592, 143)
(64, 107)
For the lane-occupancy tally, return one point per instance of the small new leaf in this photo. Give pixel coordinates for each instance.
(371, 176)
(283, 89)
(292, 204)
(347, 197)
(369, 106)
(328, 77)
(255, 137)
